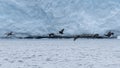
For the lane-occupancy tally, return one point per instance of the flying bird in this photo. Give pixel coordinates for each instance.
(61, 32)
(9, 34)
(109, 34)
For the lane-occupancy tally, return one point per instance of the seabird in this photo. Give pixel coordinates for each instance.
(76, 37)
(9, 34)
(109, 34)
(96, 35)
(61, 32)
(51, 35)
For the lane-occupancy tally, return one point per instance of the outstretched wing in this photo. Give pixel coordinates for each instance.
(61, 32)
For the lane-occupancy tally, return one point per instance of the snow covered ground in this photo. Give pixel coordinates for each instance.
(64, 53)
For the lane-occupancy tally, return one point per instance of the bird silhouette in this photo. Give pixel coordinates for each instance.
(76, 37)
(61, 32)
(95, 35)
(109, 34)
(51, 35)
(9, 34)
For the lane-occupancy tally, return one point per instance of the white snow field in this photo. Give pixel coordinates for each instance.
(64, 53)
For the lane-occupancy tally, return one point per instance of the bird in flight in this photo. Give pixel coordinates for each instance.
(61, 32)
(9, 34)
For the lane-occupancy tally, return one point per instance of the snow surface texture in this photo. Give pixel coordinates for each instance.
(45, 16)
(83, 53)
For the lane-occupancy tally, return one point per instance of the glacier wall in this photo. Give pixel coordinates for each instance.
(46, 16)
